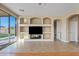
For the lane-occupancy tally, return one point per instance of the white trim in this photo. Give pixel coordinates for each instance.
(36, 39)
(64, 41)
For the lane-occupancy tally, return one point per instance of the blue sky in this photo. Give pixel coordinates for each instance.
(4, 21)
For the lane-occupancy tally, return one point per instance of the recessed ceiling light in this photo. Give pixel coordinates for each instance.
(39, 3)
(22, 10)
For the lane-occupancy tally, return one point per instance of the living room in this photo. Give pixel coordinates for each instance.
(39, 27)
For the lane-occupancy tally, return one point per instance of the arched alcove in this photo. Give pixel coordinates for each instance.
(46, 20)
(35, 20)
(73, 27)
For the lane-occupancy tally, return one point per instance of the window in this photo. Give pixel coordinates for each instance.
(12, 25)
(7, 27)
(3, 27)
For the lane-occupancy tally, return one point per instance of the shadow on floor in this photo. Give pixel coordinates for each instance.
(5, 45)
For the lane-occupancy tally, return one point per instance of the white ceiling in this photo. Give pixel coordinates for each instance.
(46, 9)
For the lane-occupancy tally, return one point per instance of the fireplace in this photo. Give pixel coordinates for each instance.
(35, 36)
(35, 32)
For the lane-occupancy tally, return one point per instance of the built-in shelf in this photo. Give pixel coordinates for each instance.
(45, 22)
(46, 36)
(35, 20)
(23, 25)
(46, 32)
(35, 25)
(23, 21)
(47, 25)
(46, 29)
(39, 25)
(22, 29)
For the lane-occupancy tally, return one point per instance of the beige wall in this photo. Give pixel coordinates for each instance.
(64, 22)
(64, 25)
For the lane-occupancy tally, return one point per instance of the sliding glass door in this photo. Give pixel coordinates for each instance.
(12, 28)
(3, 27)
(4, 39)
(7, 29)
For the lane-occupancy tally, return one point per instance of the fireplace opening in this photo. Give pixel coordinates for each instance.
(35, 36)
(35, 32)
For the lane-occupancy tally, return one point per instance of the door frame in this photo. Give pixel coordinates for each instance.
(55, 34)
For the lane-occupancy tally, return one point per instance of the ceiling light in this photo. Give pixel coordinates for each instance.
(22, 10)
(39, 3)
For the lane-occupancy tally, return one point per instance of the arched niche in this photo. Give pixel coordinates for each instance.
(46, 20)
(73, 28)
(35, 20)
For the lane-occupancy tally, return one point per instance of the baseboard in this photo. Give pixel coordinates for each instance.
(39, 40)
(65, 41)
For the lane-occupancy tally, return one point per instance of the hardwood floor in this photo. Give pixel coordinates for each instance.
(41, 48)
(49, 54)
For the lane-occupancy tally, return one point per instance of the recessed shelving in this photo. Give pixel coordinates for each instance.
(23, 21)
(35, 20)
(45, 23)
(46, 36)
(46, 32)
(22, 29)
(46, 28)
(46, 20)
